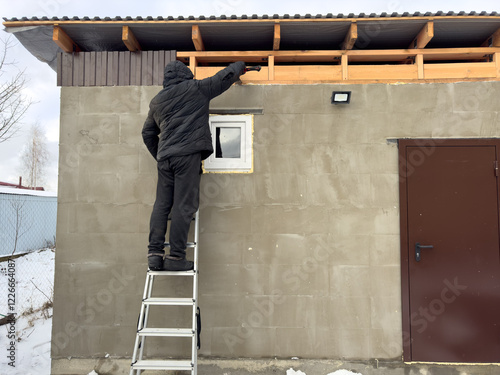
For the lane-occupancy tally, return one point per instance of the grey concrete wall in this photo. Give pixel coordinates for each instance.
(299, 258)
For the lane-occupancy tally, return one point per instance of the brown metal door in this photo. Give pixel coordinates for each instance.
(453, 277)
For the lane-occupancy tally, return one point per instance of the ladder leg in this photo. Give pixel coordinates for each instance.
(140, 325)
(194, 346)
(146, 314)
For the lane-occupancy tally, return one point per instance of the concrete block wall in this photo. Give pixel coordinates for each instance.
(299, 258)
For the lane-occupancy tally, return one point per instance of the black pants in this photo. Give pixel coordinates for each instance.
(177, 193)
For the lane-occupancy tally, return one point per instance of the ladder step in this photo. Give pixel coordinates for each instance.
(162, 365)
(189, 244)
(169, 301)
(166, 332)
(172, 273)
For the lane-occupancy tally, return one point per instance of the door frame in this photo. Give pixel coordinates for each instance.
(405, 169)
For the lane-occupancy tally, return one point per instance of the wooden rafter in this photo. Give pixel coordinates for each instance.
(130, 40)
(277, 37)
(197, 39)
(63, 40)
(424, 36)
(351, 37)
(493, 40)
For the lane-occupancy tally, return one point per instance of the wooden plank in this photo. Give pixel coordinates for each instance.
(493, 40)
(161, 68)
(331, 55)
(192, 65)
(67, 69)
(101, 68)
(129, 39)
(133, 69)
(92, 70)
(496, 60)
(63, 40)
(344, 64)
(208, 71)
(270, 64)
(124, 68)
(112, 68)
(383, 72)
(424, 36)
(307, 73)
(460, 70)
(277, 37)
(351, 37)
(419, 60)
(147, 68)
(197, 39)
(78, 69)
(156, 67)
(87, 67)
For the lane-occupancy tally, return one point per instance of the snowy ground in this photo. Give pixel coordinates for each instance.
(30, 335)
(338, 372)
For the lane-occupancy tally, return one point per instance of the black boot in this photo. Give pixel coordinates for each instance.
(155, 262)
(172, 263)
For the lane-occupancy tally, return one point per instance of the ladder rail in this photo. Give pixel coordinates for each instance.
(140, 325)
(194, 343)
(146, 316)
(138, 363)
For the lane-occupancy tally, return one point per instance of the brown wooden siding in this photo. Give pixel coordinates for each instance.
(112, 68)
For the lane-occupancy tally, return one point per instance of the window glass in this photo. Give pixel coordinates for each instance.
(227, 142)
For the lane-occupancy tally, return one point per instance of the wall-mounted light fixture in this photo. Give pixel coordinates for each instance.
(341, 97)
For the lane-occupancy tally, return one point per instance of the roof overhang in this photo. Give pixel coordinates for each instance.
(289, 39)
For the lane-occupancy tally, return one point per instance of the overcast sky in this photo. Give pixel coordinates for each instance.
(42, 80)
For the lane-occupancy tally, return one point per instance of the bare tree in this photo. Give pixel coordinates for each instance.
(13, 104)
(18, 221)
(35, 156)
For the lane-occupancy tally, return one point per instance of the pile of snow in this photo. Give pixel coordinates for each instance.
(338, 372)
(34, 284)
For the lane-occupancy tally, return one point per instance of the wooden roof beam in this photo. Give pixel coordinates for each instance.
(197, 39)
(130, 40)
(63, 40)
(351, 37)
(424, 36)
(493, 40)
(277, 37)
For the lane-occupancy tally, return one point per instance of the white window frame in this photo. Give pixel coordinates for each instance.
(243, 164)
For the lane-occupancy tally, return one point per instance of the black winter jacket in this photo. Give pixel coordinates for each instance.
(177, 122)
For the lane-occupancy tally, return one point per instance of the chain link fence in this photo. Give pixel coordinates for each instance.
(27, 246)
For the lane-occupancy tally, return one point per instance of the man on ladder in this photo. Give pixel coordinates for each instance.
(177, 134)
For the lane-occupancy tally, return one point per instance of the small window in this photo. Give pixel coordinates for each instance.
(232, 142)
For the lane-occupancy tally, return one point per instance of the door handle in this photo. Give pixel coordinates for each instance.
(418, 247)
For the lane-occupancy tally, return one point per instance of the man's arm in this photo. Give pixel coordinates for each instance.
(222, 80)
(150, 132)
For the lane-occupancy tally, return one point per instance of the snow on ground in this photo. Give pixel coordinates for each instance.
(31, 333)
(338, 372)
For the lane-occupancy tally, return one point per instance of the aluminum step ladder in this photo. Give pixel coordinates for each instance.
(139, 363)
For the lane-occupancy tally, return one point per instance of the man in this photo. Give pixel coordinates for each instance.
(177, 134)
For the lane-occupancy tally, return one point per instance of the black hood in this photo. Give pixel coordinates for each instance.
(176, 72)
